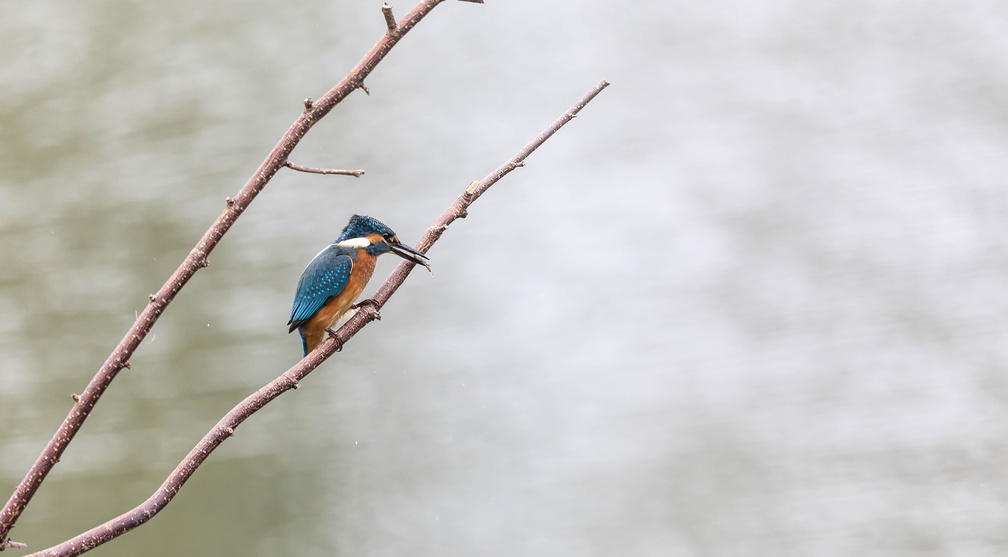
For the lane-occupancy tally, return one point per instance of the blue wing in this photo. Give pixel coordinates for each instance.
(323, 279)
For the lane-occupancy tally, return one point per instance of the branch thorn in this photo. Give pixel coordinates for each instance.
(365, 88)
(12, 544)
(75, 397)
(390, 21)
(229, 201)
(308, 103)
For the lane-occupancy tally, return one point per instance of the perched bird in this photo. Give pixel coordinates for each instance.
(336, 276)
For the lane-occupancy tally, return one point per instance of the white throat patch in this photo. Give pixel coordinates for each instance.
(355, 243)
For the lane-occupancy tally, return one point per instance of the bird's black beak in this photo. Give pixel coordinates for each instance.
(410, 254)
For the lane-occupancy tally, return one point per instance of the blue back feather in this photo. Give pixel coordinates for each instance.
(323, 279)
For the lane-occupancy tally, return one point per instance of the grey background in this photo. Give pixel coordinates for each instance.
(751, 302)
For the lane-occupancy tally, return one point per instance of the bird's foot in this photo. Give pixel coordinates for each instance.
(372, 303)
(339, 341)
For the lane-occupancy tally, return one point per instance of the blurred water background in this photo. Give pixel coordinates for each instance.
(751, 302)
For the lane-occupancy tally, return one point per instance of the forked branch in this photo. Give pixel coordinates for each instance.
(197, 259)
(291, 378)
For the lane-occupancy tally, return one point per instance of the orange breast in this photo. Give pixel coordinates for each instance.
(330, 314)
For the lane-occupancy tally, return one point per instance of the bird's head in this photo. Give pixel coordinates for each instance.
(370, 234)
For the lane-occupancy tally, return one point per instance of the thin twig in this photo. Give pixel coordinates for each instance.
(290, 379)
(197, 259)
(300, 168)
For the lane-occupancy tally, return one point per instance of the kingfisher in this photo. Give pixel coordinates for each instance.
(335, 277)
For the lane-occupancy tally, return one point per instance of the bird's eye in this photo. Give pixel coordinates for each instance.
(392, 239)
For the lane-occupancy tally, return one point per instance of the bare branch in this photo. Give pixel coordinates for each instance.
(196, 260)
(290, 379)
(476, 189)
(300, 168)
